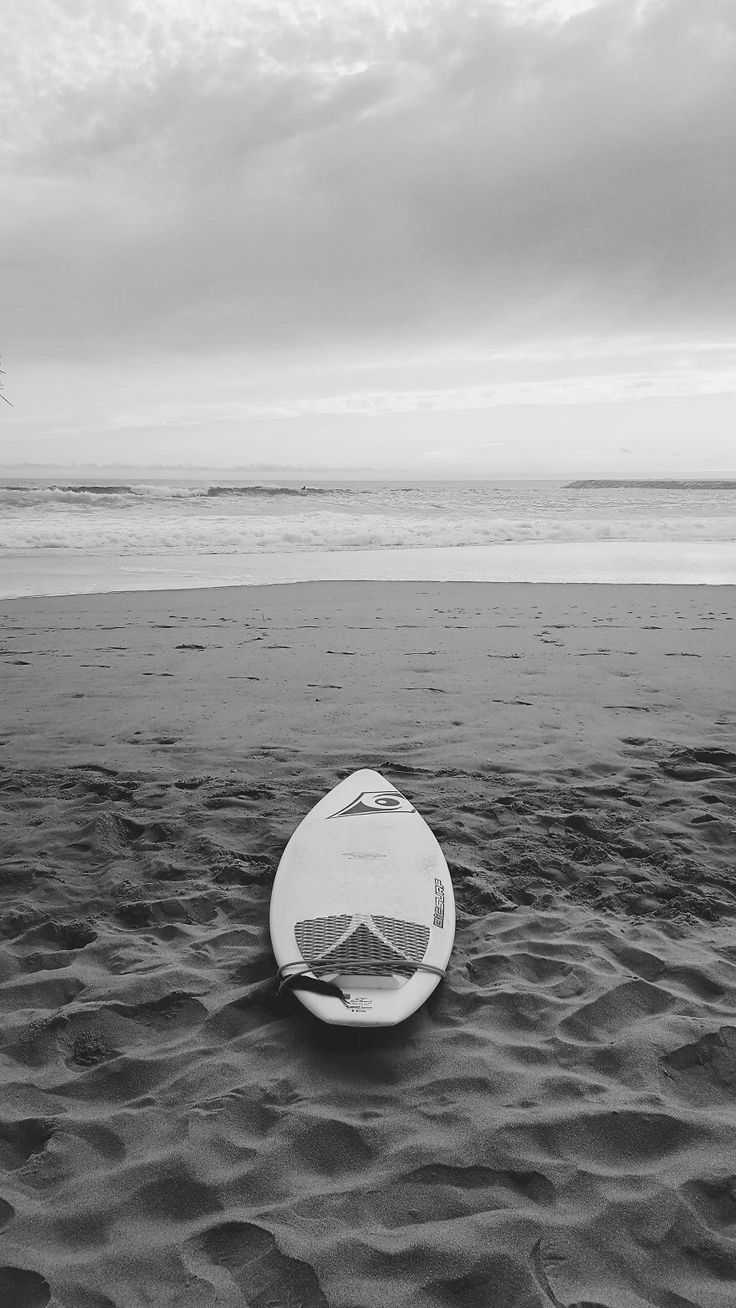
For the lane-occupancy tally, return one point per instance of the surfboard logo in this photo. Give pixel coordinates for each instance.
(372, 802)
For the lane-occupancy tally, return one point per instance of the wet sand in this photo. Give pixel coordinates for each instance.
(557, 1125)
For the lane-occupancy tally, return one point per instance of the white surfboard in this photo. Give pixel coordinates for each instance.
(362, 909)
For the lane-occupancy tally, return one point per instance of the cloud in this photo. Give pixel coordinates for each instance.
(573, 390)
(269, 178)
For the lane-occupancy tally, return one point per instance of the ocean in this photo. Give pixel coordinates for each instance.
(75, 537)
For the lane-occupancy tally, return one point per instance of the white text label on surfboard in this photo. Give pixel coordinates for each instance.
(439, 903)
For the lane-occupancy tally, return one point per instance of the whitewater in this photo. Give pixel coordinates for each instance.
(76, 536)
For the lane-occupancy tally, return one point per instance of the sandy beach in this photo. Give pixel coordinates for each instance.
(556, 1127)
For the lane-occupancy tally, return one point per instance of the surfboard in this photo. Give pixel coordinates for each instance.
(362, 910)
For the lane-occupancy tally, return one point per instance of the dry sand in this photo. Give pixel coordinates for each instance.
(556, 1127)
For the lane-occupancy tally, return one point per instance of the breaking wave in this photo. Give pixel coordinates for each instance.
(89, 495)
(106, 519)
(133, 534)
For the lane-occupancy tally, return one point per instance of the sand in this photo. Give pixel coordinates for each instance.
(557, 1126)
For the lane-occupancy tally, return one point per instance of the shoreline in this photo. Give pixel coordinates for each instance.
(594, 563)
(239, 589)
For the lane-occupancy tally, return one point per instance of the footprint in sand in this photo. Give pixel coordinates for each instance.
(22, 1138)
(259, 1269)
(616, 1011)
(89, 1047)
(172, 1193)
(714, 1199)
(698, 764)
(66, 935)
(705, 1071)
(499, 1280)
(108, 833)
(527, 1185)
(177, 1008)
(22, 1289)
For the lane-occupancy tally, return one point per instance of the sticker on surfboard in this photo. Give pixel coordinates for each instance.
(371, 802)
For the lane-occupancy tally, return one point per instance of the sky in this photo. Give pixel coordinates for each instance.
(428, 237)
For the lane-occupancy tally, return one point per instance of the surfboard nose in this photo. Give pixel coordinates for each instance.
(368, 779)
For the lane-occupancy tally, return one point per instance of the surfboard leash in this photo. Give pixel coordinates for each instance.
(306, 979)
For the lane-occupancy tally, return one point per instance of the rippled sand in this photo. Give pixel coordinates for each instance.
(557, 1125)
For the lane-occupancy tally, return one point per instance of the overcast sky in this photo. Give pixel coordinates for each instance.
(430, 237)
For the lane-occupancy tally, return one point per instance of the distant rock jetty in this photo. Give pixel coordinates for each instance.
(673, 484)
